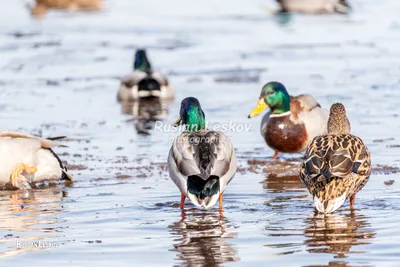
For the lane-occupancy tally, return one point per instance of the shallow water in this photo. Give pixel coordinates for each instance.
(59, 76)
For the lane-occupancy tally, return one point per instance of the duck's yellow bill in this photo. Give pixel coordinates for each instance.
(261, 105)
(177, 122)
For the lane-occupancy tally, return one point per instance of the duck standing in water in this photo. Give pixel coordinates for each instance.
(201, 163)
(292, 122)
(337, 165)
(143, 81)
(27, 159)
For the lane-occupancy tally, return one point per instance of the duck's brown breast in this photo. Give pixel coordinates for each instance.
(285, 136)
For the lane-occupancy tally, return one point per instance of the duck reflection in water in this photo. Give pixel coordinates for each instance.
(337, 233)
(145, 112)
(30, 216)
(200, 239)
(286, 191)
(279, 183)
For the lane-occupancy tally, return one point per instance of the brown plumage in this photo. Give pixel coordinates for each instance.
(337, 165)
(292, 132)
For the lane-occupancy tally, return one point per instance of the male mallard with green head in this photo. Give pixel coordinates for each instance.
(337, 165)
(292, 121)
(314, 6)
(27, 159)
(143, 81)
(201, 163)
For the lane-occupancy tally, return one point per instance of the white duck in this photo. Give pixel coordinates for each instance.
(27, 159)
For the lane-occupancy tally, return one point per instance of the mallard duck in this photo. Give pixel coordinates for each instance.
(314, 6)
(201, 163)
(337, 165)
(292, 121)
(42, 6)
(27, 159)
(143, 81)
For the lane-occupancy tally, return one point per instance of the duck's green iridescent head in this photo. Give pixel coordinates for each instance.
(275, 96)
(141, 62)
(191, 115)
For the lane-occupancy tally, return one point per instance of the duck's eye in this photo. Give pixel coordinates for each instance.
(271, 92)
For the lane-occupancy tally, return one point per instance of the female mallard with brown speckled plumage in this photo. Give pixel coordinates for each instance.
(144, 82)
(337, 165)
(292, 121)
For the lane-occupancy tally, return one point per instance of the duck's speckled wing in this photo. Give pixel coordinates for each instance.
(203, 153)
(341, 159)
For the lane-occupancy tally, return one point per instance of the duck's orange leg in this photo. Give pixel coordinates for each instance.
(352, 200)
(275, 155)
(16, 177)
(220, 201)
(183, 197)
(221, 214)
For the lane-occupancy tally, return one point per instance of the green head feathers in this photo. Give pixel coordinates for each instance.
(191, 115)
(276, 97)
(141, 62)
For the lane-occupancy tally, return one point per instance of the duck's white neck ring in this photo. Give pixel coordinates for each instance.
(280, 115)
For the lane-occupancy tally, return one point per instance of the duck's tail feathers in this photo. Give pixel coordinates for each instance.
(67, 176)
(342, 7)
(329, 205)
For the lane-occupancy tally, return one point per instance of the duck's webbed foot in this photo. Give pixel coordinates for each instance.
(17, 179)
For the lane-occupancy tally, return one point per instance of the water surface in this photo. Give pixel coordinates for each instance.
(59, 76)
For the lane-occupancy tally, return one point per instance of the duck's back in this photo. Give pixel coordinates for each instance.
(203, 153)
(335, 166)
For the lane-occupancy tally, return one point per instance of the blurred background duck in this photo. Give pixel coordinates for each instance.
(201, 163)
(292, 122)
(314, 6)
(41, 6)
(27, 159)
(337, 165)
(143, 82)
